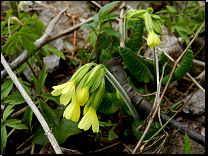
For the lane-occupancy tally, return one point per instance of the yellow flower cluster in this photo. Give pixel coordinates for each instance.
(91, 86)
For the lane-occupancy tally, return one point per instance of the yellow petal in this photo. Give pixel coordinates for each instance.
(76, 112)
(95, 123)
(59, 86)
(67, 114)
(56, 92)
(69, 87)
(64, 99)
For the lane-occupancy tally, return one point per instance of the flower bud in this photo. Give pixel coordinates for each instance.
(150, 10)
(153, 40)
(15, 20)
(82, 96)
(81, 72)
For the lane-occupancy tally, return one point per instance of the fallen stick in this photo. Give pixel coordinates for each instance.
(143, 106)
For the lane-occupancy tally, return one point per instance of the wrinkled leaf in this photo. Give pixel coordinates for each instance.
(140, 68)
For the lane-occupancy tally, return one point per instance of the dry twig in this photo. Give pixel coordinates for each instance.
(39, 116)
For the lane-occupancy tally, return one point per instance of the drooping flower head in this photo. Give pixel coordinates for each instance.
(67, 90)
(153, 40)
(90, 117)
(24, 5)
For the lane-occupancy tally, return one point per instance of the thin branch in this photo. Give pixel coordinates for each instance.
(39, 116)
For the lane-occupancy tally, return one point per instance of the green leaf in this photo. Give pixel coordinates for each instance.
(51, 97)
(13, 36)
(162, 11)
(27, 117)
(9, 12)
(104, 10)
(14, 123)
(184, 29)
(184, 36)
(171, 8)
(105, 55)
(109, 103)
(7, 112)
(86, 26)
(112, 134)
(30, 21)
(42, 76)
(6, 87)
(150, 133)
(39, 26)
(5, 46)
(109, 44)
(36, 84)
(135, 42)
(109, 16)
(140, 68)
(92, 38)
(96, 18)
(48, 113)
(28, 45)
(61, 132)
(162, 60)
(15, 99)
(54, 50)
(112, 32)
(182, 69)
(23, 83)
(3, 137)
(11, 47)
(103, 124)
(187, 145)
(21, 68)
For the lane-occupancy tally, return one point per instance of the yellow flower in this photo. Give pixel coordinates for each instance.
(82, 96)
(153, 40)
(72, 111)
(67, 90)
(90, 118)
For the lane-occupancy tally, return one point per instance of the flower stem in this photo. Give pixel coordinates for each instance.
(123, 94)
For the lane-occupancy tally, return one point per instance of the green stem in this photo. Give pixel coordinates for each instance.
(123, 94)
(125, 30)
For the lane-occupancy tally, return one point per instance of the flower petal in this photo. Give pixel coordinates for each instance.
(64, 99)
(95, 123)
